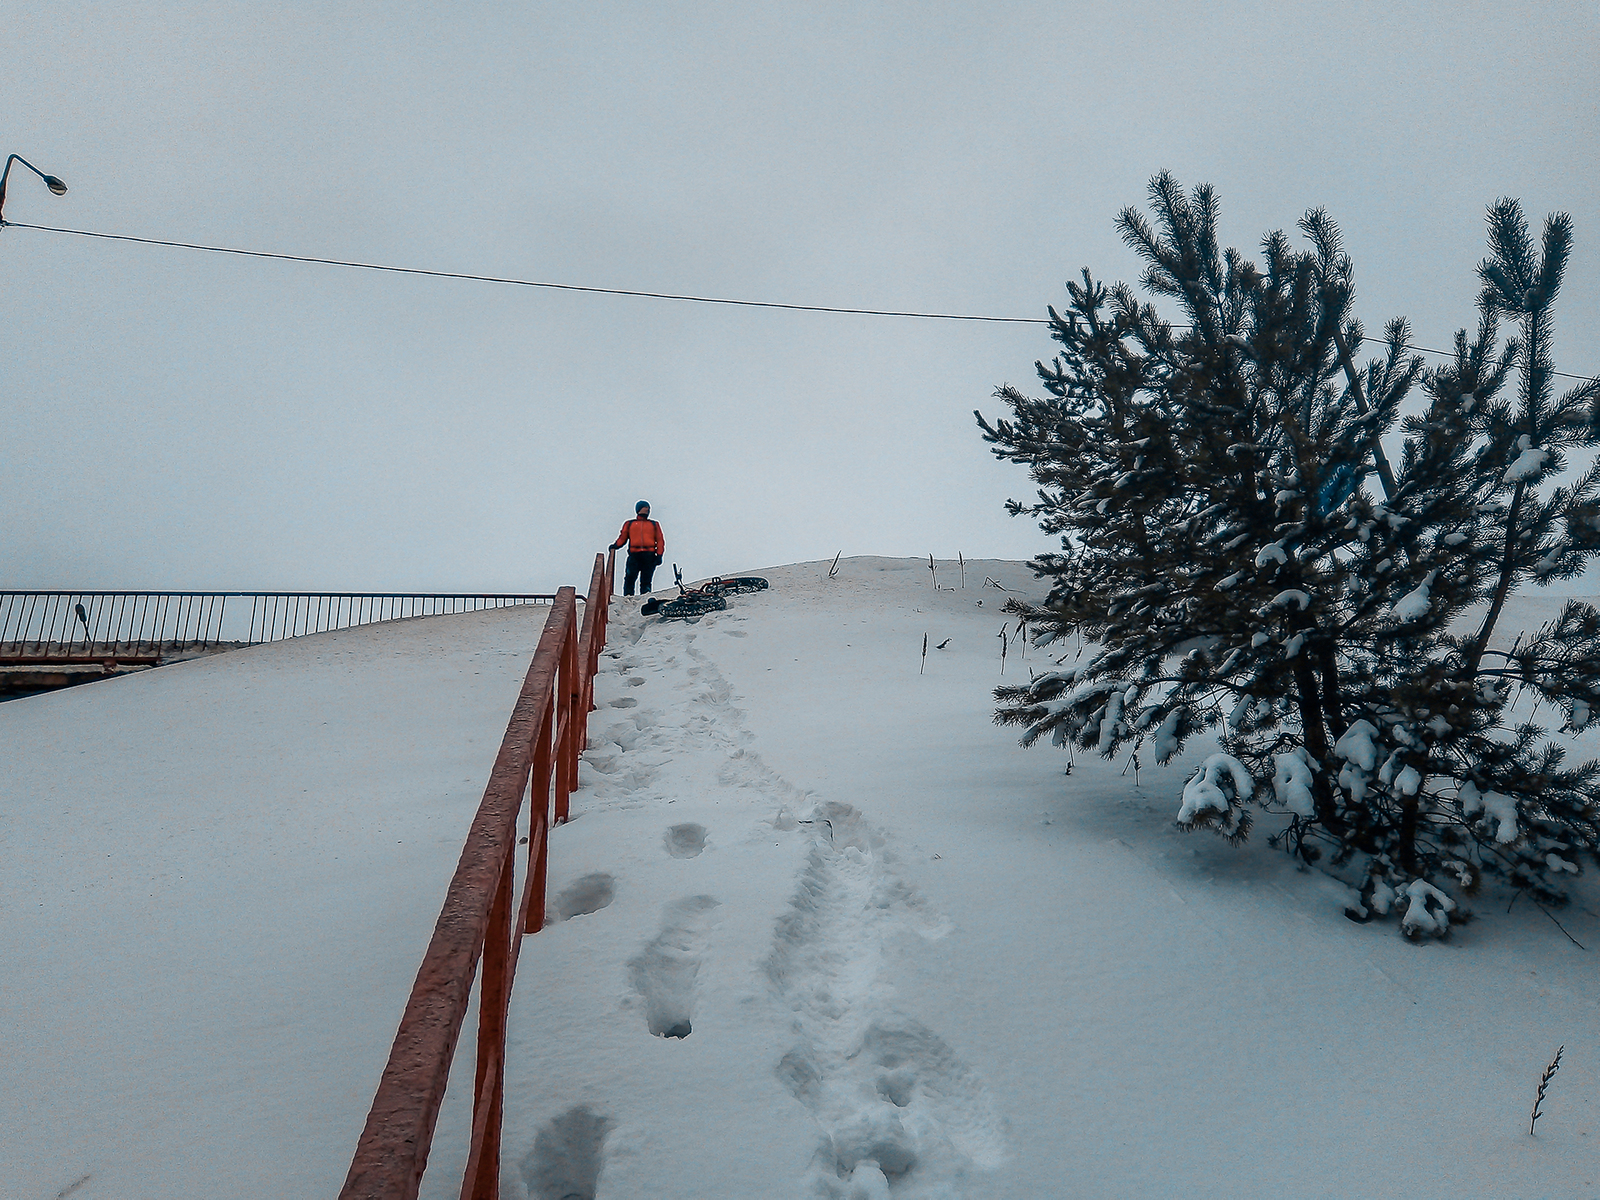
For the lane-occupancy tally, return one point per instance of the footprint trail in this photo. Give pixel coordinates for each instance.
(882, 1106)
(901, 1114)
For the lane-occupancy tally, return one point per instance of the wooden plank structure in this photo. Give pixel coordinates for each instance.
(482, 920)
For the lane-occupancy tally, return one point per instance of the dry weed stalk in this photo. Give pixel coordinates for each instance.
(1544, 1082)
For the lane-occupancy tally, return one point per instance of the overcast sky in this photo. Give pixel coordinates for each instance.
(176, 419)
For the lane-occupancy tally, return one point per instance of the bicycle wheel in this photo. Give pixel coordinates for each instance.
(692, 604)
(741, 583)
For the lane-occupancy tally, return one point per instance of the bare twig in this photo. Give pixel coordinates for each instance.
(934, 571)
(1004, 642)
(1559, 925)
(924, 666)
(1133, 761)
(960, 559)
(1544, 1082)
(834, 569)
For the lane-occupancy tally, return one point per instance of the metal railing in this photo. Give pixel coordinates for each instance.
(39, 627)
(538, 759)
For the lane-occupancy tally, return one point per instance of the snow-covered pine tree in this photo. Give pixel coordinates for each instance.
(1242, 557)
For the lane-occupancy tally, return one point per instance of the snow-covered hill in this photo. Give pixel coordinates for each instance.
(819, 928)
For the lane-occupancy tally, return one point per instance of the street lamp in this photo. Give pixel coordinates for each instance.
(50, 181)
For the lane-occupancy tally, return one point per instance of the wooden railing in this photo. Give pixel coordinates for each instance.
(538, 759)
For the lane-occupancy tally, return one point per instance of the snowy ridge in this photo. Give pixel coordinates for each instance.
(970, 976)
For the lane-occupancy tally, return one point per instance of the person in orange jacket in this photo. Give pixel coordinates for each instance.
(645, 544)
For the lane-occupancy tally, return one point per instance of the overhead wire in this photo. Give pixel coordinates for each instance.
(533, 283)
(604, 291)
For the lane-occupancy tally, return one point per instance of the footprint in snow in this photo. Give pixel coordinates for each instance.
(685, 841)
(584, 896)
(567, 1157)
(624, 702)
(665, 972)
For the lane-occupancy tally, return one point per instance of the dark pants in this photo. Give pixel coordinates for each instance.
(641, 566)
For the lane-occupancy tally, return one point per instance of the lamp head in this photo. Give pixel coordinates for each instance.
(55, 185)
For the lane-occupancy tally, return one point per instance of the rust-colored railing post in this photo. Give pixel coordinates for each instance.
(566, 687)
(576, 718)
(539, 824)
(482, 1180)
(605, 609)
(594, 626)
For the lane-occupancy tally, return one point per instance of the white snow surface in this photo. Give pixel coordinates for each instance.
(897, 956)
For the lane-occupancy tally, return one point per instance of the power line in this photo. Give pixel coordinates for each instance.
(578, 287)
(564, 287)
